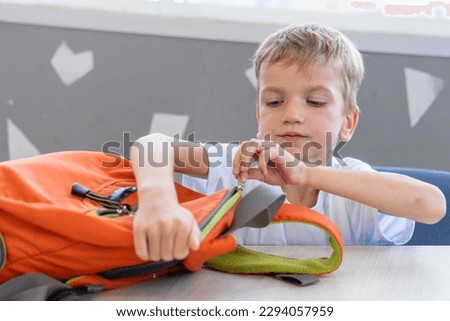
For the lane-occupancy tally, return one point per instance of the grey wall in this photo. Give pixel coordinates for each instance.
(384, 135)
(135, 76)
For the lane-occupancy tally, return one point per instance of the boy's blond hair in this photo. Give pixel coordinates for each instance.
(311, 43)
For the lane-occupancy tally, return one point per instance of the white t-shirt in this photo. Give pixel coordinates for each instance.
(359, 224)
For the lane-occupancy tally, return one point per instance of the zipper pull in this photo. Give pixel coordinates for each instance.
(80, 190)
(240, 186)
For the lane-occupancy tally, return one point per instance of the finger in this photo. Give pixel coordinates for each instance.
(262, 161)
(236, 163)
(195, 237)
(181, 248)
(140, 244)
(281, 157)
(182, 242)
(167, 241)
(154, 240)
(241, 162)
(248, 153)
(186, 240)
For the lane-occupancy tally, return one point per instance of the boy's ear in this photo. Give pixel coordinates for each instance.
(349, 124)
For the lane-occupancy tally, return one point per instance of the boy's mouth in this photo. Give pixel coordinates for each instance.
(292, 136)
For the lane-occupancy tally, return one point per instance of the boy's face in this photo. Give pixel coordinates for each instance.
(298, 104)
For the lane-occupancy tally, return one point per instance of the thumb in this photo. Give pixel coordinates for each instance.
(195, 237)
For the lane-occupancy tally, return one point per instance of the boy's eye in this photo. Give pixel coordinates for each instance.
(316, 103)
(274, 103)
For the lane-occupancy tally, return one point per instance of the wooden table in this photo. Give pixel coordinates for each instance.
(367, 273)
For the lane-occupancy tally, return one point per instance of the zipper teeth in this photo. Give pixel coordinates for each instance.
(137, 270)
(210, 216)
(2, 252)
(220, 211)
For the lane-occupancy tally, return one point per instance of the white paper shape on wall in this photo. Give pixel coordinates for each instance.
(19, 146)
(70, 66)
(169, 124)
(422, 89)
(250, 74)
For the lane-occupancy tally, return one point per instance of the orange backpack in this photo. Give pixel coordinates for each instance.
(69, 215)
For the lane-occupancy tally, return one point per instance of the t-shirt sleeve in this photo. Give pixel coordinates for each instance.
(395, 230)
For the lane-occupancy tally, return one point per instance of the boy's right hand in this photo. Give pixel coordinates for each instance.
(276, 165)
(165, 232)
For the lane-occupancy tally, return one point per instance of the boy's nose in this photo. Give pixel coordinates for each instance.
(293, 113)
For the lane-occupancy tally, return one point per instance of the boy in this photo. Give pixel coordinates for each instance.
(308, 78)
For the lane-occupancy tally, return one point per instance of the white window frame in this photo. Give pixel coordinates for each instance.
(371, 30)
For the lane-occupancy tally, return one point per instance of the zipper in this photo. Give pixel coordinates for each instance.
(221, 209)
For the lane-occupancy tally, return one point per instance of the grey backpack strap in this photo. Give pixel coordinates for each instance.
(298, 279)
(36, 287)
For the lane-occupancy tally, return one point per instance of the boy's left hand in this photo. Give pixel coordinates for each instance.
(276, 166)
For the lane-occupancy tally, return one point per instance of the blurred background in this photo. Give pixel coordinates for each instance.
(80, 74)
